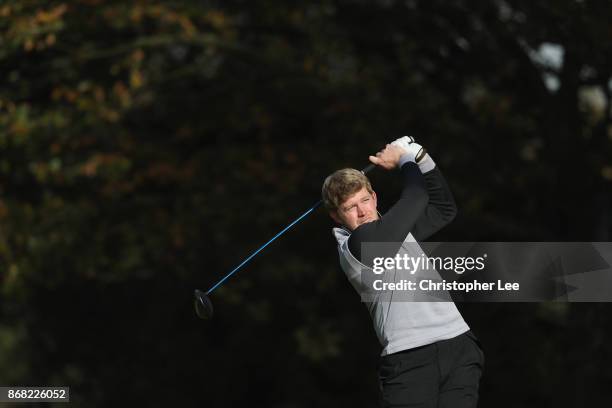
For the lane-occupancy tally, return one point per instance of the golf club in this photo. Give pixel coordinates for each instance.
(203, 305)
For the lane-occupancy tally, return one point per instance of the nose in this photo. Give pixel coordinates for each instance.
(360, 210)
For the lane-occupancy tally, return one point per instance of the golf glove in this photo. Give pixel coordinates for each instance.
(414, 152)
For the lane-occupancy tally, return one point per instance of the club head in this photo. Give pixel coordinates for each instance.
(203, 305)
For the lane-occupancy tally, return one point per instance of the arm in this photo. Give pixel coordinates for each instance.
(394, 226)
(441, 209)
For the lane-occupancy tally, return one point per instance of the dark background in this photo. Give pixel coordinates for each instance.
(147, 147)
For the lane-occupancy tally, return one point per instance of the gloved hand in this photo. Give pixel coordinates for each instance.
(414, 150)
(390, 157)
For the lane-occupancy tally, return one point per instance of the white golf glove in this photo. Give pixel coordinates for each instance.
(414, 153)
(412, 149)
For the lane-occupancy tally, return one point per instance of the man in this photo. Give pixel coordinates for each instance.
(430, 358)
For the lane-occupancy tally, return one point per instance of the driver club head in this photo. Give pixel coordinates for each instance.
(203, 305)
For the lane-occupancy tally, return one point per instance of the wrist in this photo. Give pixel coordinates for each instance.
(426, 164)
(405, 158)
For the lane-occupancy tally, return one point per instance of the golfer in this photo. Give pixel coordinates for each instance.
(430, 358)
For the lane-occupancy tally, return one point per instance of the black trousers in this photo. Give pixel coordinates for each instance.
(444, 374)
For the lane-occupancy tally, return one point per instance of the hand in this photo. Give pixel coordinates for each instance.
(414, 150)
(388, 158)
(403, 142)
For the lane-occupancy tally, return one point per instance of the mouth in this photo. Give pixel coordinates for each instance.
(366, 220)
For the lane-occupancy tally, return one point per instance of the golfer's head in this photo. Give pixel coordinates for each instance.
(349, 198)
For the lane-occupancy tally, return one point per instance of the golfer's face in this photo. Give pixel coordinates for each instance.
(358, 209)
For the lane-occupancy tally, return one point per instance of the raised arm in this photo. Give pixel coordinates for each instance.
(441, 208)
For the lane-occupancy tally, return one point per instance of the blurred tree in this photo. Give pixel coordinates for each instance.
(147, 146)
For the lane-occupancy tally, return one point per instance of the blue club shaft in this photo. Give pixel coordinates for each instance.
(311, 209)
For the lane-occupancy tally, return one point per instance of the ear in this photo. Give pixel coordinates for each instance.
(375, 199)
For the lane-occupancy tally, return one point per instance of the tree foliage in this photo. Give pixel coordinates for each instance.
(147, 146)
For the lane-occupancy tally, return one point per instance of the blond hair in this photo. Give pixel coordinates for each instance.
(340, 185)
